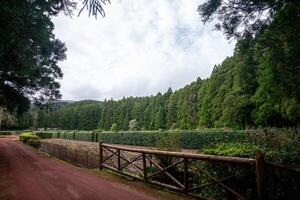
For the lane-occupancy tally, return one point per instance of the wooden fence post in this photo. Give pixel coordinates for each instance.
(100, 156)
(260, 176)
(119, 159)
(59, 152)
(151, 159)
(86, 159)
(185, 175)
(144, 166)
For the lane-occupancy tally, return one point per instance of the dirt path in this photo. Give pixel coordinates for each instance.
(30, 175)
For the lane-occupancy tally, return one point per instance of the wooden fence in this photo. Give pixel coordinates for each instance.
(142, 162)
(197, 175)
(77, 156)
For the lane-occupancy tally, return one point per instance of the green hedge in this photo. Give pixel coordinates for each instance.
(187, 139)
(44, 134)
(142, 138)
(5, 132)
(84, 136)
(55, 134)
(201, 139)
(9, 132)
(69, 135)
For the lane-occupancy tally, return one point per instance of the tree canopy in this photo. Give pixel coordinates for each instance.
(235, 17)
(29, 53)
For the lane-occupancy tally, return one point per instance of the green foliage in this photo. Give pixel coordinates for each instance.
(232, 149)
(239, 16)
(29, 53)
(5, 132)
(201, 139)
(114, 127)
(173, 139)
(30, 138)
(56, 134)
(278, 145)
(281, 146)
(133, 125)
(68, 135)
(169, 141)
(44, 134)
(84, 135)
(146, 138)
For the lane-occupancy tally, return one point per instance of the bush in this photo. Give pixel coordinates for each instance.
(232, 149)
(114, 127)
(36, 143)
(30, 138)
(277, 147)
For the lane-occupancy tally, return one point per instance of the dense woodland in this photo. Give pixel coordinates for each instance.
(256, 87)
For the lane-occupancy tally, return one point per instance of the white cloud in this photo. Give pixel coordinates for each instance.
(140, 48)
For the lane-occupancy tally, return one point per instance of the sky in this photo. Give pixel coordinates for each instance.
(139, 48)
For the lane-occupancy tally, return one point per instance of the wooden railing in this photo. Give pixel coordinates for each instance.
(140, 164)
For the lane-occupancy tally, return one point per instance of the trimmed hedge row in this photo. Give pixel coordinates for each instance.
(85, 136)
(187, 139)
(44, 134)
(5, 132)
(140, 138)
(9, 132)
(199, 140)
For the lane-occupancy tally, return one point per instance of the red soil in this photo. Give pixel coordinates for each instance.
(34, 176)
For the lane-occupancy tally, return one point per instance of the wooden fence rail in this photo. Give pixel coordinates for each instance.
(141, 161)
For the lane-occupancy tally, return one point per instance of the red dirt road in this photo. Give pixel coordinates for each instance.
(31, 175)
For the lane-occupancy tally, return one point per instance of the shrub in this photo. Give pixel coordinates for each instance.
(34, 142)
(232, 149)
(133, 125)
(114, 127)
(283, 151)
(30, 138)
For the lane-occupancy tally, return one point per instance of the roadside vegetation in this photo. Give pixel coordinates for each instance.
(280, 146)
(30, 138)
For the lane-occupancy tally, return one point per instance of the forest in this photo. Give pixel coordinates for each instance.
(258, 86)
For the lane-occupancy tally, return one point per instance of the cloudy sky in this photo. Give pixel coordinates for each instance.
(140, 48)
